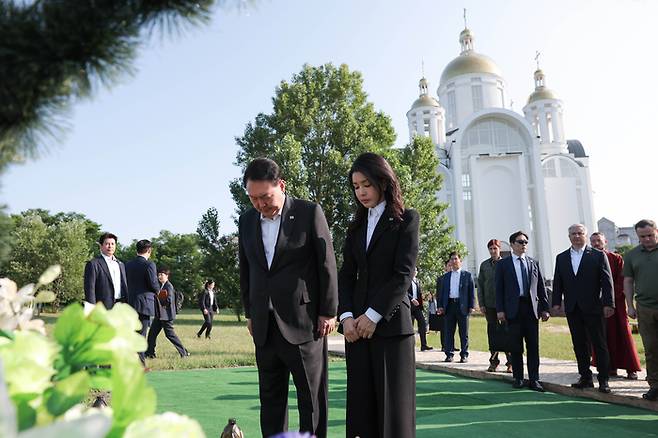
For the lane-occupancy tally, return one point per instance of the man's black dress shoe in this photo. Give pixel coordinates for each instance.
(426, 348)
(651, 395)
(448, 359)
(604, 387)
(582, 384)
(463, 360)
(536, 386)
(518, 383)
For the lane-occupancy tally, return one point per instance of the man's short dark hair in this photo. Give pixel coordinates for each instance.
(143, 246)
(262, 169)
(453, 253)
(163, 270)
(513, 237)
(645, 223)
(106, 236)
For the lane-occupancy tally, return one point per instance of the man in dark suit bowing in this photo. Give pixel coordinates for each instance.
(583, 277)
(521, 300)
(457, 302)
(289, 291)
(415, 295)
(143, 285)
(105, 275)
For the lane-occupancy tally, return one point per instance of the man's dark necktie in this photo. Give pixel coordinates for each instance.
(524, 277)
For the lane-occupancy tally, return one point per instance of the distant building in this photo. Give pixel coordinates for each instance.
(503, 171)
(617, 236)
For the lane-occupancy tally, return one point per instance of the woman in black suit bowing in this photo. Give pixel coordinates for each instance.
(379, 258)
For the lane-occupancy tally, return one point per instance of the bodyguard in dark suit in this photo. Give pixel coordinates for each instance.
(521, 300)
(165, 313)
(142, 285)
(379, 258)
(456, 302)
(105, 275)
(583, 277)
(289, 291)
(415, 294)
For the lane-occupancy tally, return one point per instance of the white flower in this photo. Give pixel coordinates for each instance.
(167, 425)
(50, 275)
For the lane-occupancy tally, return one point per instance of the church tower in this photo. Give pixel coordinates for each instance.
(544, 113)
(426, 117)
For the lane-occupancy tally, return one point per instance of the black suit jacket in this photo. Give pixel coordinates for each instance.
(98, 282)
(165, 310)
(204, 301)
(466, 291)
(419, 293)
(591, 289)
(301, 282)
(142, 285)
(508, 292)
(380, 277)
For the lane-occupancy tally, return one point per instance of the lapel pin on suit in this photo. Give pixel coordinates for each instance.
(390, 219)
(291, 217)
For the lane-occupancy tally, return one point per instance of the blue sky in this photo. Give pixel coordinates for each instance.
(157, 150)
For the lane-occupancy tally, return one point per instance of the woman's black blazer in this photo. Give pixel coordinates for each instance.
(380, 277)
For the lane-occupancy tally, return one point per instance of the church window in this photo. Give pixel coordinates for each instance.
(426, 127)
(452, 108)
(466, 180)
(549, 123)
(477, 97)
(466, 195)
(549, 170)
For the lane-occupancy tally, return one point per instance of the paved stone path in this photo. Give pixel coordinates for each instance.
(555, 375)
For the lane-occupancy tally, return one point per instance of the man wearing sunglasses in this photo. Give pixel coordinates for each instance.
(521, 300)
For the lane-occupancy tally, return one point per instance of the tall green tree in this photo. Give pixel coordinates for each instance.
(182, 254)
(221, 260)
(6, 239)
(53, 53)
(420, 181)
(321, 121)
(38, 245)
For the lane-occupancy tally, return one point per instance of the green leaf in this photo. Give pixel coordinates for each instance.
(45, 296)
(67, 393)
(26, 415)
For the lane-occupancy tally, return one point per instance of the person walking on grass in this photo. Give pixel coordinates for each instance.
(208, 307)
(165, 313)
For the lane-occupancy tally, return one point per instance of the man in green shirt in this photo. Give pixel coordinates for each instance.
(641, 280)
(487, 300)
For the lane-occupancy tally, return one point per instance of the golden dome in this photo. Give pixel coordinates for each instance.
(469, 62)
(541, 94)
(425, 100)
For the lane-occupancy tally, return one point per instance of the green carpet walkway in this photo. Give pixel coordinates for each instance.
(447, 406)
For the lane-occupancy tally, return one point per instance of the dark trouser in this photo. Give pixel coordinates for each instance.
(492, 318)
(454, 317)
(417, 314)
(381, 387)
(146, 322)
(168, 327)
(207, 324)
(307, 363)
(585, 330)
(529, 331)
(648, 323)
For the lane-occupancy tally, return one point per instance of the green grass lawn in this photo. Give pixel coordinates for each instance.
(447, 406)
(232, 346)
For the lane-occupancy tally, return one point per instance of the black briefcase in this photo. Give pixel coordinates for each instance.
(506, 337)
(436, 322)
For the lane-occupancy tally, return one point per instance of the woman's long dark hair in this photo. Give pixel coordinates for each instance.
(380, 174)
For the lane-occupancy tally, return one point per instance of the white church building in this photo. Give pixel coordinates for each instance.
(503, 171)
